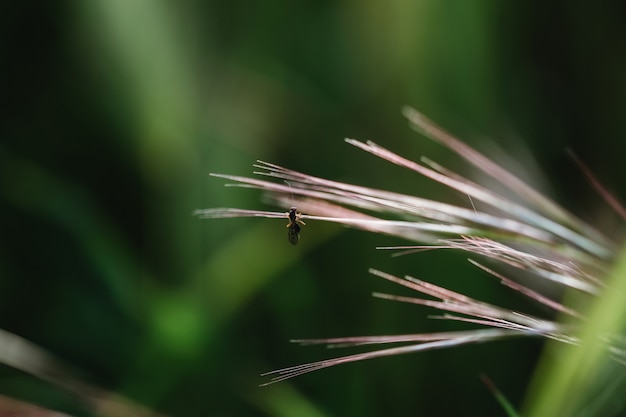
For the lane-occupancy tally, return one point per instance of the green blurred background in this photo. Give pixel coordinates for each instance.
(117, 110)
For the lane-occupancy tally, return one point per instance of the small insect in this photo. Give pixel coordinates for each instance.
(293, 234)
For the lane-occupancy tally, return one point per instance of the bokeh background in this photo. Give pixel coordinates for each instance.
(117, 110)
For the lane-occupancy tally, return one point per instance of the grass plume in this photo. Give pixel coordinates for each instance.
(531, 233)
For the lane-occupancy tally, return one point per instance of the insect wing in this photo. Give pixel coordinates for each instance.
(293, 234)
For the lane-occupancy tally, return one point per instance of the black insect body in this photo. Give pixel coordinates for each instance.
(293, 234)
